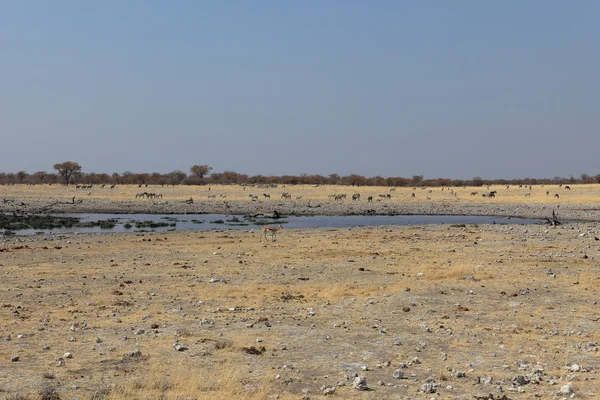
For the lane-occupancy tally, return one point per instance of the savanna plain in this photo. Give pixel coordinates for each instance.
(386, 312)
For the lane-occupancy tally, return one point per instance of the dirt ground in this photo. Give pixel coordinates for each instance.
(426, 312)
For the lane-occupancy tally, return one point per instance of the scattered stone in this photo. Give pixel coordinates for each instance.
(360, 383)
(328, 391)
(575, 368)
(134, 353)
(566, 389)
(180, 347)
(14, 358)
(67, 355)
(398, 374)
(429, 387)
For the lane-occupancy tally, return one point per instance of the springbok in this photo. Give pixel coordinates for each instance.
(272, 230)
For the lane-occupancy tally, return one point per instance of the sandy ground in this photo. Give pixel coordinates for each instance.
(463, 311)
(581, 202)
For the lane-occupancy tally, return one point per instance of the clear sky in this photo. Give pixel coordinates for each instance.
(454, 89)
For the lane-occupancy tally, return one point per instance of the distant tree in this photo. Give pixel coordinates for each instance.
(597, 177)
(67, 169)
(200, 170)
(176, 177)
(477, 181)
(21, 176)
(417, 179)
(41, 176)
(333, 179)
(585, 178)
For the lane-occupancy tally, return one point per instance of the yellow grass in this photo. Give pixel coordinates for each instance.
(584, 195)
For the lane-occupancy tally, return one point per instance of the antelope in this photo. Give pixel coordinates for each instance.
(298, 197)
(392, 189)
(266, 196)
(356, 197)
(272, 230)
(212, 196)
(474, 193)
(286, 195)
(557, 196)
(412, 195)
(223, 196)
(567, 187)
(141, 195)
(370, 199)
(254, 198)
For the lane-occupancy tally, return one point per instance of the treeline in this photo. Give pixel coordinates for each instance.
(230, 177)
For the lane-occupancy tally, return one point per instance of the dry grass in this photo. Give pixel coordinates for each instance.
(321, 302)
(583, 195)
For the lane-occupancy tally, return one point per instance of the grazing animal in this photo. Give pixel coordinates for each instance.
(266, 196)
(144, 194)
(556, 195)
(212, 196)
(298, 197)
(547, 192)
(254, 198)
(412, 195)
(272, 230)
(356, 197)
(474, 193)
(568, 187)
(286, 195)
(370, 199)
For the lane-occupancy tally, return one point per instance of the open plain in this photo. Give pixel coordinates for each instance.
(578, 202)
(414, 312)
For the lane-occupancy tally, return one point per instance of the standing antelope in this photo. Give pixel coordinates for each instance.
(272, 230)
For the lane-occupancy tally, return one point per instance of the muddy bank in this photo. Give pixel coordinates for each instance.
(305, 208)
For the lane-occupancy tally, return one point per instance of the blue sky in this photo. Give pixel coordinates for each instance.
(436, 88)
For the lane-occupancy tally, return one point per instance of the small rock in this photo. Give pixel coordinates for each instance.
(398, 374)
(329, 390)
(566, 389)
(134, 353)
(430, 387)
(575, 368)
(360, 383)
(67, 355)
(14, 358)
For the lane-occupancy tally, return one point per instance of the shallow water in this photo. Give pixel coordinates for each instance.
(207, 222)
